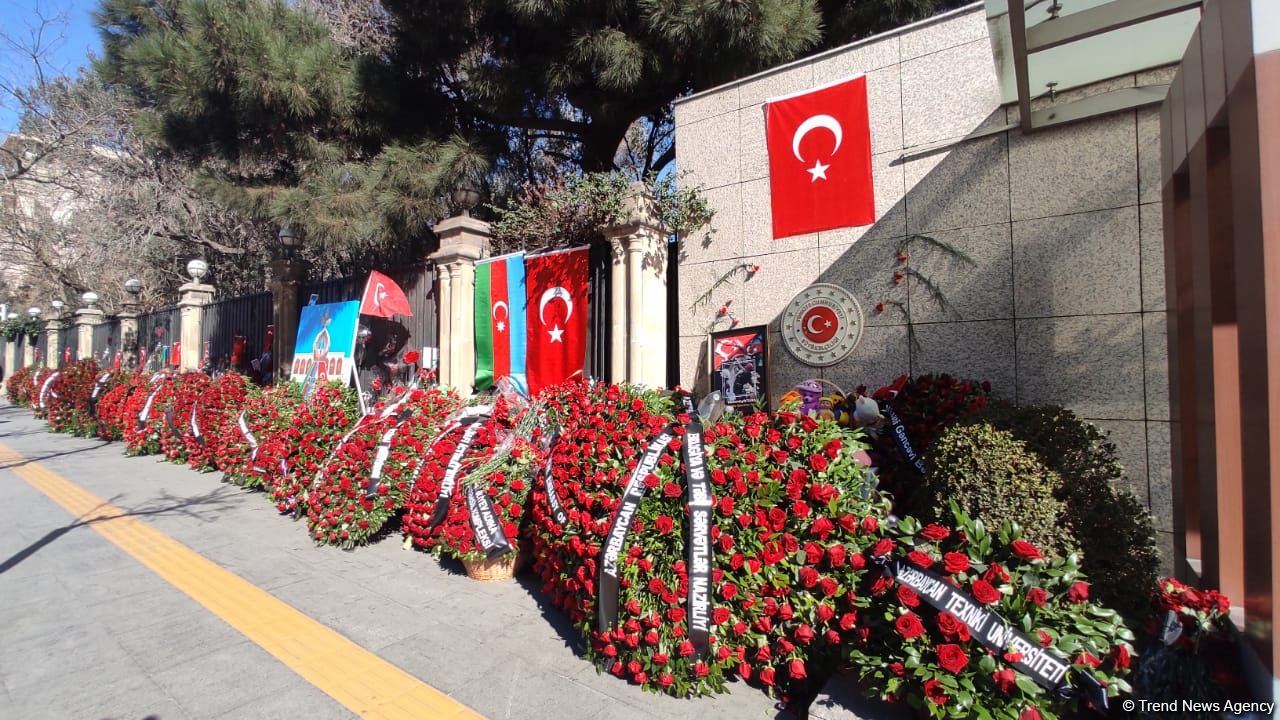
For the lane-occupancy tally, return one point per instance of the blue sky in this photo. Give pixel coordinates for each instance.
(69, 38)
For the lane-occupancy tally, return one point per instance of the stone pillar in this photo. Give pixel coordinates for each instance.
(53, 347)
(192, 297)
(129, 336)
(617, 309)
(641, 236)
(86, 320)
(463, 241)
(10, 356)
(286, 277)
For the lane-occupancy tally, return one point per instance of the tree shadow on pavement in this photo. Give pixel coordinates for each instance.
(49, 456)
(194, 507)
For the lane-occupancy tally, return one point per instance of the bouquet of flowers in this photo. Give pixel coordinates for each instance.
(500, 456)
(263, 414)
(69, 399)
(289, 460)
(17, 387)
(206, 420)
(175, 431)
(147, 412)
(347, 507)
(113, 403)
(792, 522)
(956, 661)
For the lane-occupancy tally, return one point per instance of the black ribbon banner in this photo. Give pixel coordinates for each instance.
(631, 498)
(450, 479)
(384, 451)
(553, 498)
(97, 390)
(484, 523)
(699, 501)
(904, 443)
(195, 425)
(1043, 665)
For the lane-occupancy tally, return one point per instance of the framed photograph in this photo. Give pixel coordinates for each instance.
(739, 364)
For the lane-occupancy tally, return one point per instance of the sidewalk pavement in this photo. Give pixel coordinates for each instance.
(88, 632)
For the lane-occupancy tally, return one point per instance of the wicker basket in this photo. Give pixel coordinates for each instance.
(499, 569)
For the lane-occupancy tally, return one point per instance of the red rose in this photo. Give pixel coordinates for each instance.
(641, 678)
(1026, 550)
(666, 680)
(935, 532)
(996, 574)
(952, 658)
(672, 490)
(1120, 656)
(808, 576)
(836, 555)
(1079, 592)
(869, 525)
(766, 676)
(908, 597)
(1088, 658)
(909, 625)
(796, 669)
(1045, 638)
(921, 559)
(954, 562)
(1029, 713)
(1004, 679)
(848, 621)
(984, 593)
(720, 615)
(728, 591)
(804, 634)
(664, 524)
(933, 690)
(883, 547)
(951, 627)
(1038, 596)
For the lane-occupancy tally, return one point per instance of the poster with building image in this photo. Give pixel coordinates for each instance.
(739, 363)
(326, 345)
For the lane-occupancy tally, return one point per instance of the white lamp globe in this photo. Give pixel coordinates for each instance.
(197, 269)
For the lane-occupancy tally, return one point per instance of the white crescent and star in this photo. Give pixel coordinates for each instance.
(506, 312)
(555, 293)
(826, 122)
(808, 326)
(379, 292)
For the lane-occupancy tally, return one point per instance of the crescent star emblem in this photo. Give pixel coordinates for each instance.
(818, 171)
(379, 292)
(548, 295)
(809, 325)
(506, 313)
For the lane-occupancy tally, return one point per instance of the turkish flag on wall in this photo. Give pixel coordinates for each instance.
(557, 316)
(820, 159)
(383, 297)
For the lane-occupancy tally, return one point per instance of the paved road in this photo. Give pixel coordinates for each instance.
(87, 631)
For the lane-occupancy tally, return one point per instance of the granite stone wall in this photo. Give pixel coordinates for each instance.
(1064, 302)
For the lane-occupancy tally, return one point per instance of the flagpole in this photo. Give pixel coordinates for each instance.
(495, 258)
(558, 252)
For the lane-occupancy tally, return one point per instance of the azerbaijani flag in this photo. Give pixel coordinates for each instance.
(500, 321)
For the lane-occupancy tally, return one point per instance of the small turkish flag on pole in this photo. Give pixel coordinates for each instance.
(383, 297)
(820, 159)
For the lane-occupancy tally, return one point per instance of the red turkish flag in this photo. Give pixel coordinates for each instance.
(556, 288)
(820, 159)
(383, 297)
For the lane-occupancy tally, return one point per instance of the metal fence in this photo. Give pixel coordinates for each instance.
(158, 330)
(599, 309)
(234, 331)
(68, 340)
(106, 341)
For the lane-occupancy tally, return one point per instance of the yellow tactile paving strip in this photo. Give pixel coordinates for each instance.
(365, 683)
